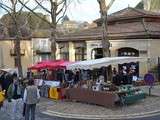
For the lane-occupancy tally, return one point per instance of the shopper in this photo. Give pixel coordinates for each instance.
(14, 95)
(31, 98)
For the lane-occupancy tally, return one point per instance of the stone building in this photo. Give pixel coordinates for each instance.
(152, 5)
(132, 32)
(8, 57)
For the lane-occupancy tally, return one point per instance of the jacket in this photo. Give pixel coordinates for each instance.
(31, 95)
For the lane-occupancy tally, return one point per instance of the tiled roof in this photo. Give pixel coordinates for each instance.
(128, 13)
(128, 29)
(125, 30)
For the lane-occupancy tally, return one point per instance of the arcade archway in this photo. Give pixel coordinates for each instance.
(131, 52)
(97, 53)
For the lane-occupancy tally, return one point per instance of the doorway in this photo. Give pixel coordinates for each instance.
(129, 52)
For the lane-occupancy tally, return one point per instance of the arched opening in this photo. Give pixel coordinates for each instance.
(97, 53)
(130, 52)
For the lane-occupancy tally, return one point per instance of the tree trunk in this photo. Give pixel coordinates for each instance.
(17, 47)
(105, 40)
(53, 43)
(53, 29)
(18, 56)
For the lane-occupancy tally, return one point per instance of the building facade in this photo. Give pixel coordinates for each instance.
(8, 56)
(132, 32)
(41, 49)
(152, 5)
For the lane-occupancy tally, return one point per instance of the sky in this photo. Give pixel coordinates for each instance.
(88, 10)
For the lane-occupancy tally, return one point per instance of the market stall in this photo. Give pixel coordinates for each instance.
(99, 92)
(50, 64)
(49, 77)
(103, 62)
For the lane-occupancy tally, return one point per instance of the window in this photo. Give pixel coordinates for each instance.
(45, 57)
(64, 51)
(80, 51)
(44, 45)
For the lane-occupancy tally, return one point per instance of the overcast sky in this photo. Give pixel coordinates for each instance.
(88, 10)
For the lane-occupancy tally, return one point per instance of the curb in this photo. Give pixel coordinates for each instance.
(101, 117)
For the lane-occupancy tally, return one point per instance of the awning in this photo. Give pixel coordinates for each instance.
(50, 64)
(104, 62)
(10, 70)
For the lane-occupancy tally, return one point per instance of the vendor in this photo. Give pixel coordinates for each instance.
(60, 75)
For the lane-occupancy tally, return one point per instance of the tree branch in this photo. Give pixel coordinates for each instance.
(39, 3)
(1, 4)
(60, 2)
(110, 4)
(35, 13)
(64, 3)
(65, 10)
(22, 7)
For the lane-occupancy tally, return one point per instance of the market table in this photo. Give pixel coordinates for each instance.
(103, 98)
(129, 96)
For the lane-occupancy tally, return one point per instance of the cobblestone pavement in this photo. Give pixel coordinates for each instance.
(154, 91)
(61, 106)
(39, 115)
(149, 104)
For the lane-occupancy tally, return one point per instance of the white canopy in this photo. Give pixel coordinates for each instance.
(10, 70)
(104, 62)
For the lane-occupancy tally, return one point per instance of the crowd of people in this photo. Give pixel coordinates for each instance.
(62, 75)
(71, 77)
(124, 76)
(17, 91)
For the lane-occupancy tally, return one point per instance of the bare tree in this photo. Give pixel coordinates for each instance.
(104, 12)
(56, 10)
(14, 10)
(105, 41)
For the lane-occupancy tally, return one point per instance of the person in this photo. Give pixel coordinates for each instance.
(7, 79)
(31, 98)
(60, 75)
(24, 85)
(115, 81)
(29, 74)
(14, 95)
(2, 97)
(77, 76)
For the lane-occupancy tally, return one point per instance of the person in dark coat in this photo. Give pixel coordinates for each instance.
(2, 80)
(77, 76)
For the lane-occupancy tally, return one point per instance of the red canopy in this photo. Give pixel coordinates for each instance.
(50, 64)
(59, 64)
